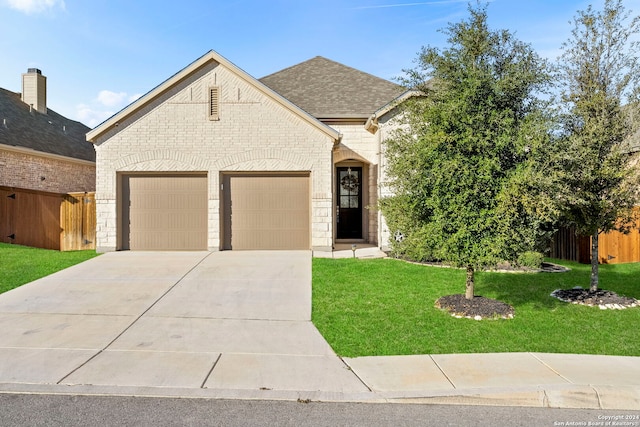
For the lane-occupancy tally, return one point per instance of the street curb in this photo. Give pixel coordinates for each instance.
(570, 396)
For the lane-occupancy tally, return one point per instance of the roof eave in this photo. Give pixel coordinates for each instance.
(33, 152)
(343, 118)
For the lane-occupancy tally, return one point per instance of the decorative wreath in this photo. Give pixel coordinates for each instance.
(350, 182)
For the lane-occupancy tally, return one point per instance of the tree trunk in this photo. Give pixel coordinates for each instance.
(470, 285)
(593, 287)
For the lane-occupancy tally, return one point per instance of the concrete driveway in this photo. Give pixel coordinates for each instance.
(197, 320)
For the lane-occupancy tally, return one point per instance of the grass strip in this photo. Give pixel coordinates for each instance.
(23, 264)
(386, 307)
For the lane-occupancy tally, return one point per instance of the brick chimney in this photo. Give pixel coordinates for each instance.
(34, 90)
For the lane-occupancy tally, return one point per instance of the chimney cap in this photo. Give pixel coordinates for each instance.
(34, 70)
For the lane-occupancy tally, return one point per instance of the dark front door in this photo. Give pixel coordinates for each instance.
(349, 211)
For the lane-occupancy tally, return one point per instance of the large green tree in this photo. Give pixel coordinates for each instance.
(461, 157)
(600, 73)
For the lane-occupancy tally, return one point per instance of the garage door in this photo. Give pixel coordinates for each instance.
(164, 212)
(266, 211)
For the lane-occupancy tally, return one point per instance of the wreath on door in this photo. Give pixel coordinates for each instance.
(350, 183)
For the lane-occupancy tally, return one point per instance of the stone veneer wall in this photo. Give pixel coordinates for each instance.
(26, 171)
(174, 134)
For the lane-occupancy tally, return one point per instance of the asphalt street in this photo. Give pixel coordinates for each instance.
(71, 411)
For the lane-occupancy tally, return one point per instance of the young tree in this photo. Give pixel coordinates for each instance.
(457, 162)
(599, 66)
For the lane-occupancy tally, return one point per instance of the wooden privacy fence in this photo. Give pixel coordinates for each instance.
(613, 247)
(78, 222)
(568, 245)
(64, 222)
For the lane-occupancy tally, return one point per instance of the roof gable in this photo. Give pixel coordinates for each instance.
(329, 90)
(372, 123)
(168, 84)
(49, 133)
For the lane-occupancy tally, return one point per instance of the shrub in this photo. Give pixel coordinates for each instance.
(530, 259)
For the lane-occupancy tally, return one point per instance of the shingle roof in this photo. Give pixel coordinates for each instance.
(48, 133)
(327, 89)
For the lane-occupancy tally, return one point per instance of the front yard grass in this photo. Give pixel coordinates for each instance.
(386, 307)
(23, 264)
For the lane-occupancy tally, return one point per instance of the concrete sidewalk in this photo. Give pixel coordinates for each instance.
(237, 325)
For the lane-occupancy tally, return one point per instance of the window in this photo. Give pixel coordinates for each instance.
(349, 188)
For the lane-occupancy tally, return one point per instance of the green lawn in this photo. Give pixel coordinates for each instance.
(22, 264)
(386, 307)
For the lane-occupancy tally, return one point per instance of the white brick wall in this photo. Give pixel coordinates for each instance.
(389, 123)
(174, 134)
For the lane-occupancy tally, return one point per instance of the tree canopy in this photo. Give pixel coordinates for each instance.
(600, 76)
(461, 158)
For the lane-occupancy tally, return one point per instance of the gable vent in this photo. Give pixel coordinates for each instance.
(214, 103)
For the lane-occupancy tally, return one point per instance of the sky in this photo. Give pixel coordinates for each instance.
(100, 55)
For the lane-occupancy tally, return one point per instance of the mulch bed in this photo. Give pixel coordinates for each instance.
(478, 308)
(601, 298)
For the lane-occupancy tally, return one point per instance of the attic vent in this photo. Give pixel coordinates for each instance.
(214, 103)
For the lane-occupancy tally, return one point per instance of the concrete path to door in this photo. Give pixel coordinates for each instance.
(161, 323)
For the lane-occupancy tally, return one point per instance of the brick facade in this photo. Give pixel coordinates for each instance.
(173, 133)
(39, 171)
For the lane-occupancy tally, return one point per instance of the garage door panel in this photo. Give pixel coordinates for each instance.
(165, 212)
(267, 212)
(279, 219)
(282, 242)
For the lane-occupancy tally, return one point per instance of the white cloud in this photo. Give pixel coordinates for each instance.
(91, 116)
(134, 97)
(423, 3)
(103, 106)
(111, 99)
(34, 6)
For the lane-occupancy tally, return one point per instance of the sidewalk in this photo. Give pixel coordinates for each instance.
(505, 379)
(501, 379)
(236, 325)
(352, 250)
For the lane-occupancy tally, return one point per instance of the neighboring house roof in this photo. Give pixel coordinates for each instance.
(48, 133)
(210, 56)
(329, 90)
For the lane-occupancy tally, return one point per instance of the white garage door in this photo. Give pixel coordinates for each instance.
(266, 211)
(164, 212)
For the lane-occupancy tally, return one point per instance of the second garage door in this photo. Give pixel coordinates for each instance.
(266, 211)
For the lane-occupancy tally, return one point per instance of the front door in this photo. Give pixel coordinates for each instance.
(349, 204)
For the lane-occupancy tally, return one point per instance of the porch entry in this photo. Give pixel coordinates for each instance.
(349, 203)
